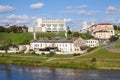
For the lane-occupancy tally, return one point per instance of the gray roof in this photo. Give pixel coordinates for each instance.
(56, 40)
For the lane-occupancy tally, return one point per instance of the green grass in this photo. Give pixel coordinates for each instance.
(117, 46)
(52, 35)
(16, 38)
(102, 54)
(117, 31)
(104, 60)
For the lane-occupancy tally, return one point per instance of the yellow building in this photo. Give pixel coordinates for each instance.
(102, 30)
(102, 34)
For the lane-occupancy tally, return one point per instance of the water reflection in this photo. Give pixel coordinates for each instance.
(13, 72)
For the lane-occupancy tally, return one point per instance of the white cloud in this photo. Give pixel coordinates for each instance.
(68, 19)
(82, 6)
(36, 6)
(17, 20)
(69, 7)
(92, 13)
(13, 16)
(112, 10)
(82, 12)
(77, 7)
(6, 8)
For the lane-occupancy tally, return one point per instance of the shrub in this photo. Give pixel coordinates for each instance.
(91, 49)
(76, 54)
(51, 54)
(93, 60)
(113, 38)
(43, 53)
(33, 52)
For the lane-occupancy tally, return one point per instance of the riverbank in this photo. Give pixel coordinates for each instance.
(100, 59)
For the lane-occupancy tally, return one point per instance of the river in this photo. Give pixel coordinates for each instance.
(14, 72)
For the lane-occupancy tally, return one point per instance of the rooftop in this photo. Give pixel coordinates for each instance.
(56, 40)
(101, 24)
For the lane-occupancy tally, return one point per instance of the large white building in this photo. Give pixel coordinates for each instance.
(58, 44)
(51, 25)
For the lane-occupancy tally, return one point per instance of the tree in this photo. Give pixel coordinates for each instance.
(93, 60)
(69, 32)
(115, 27)
(2, 29)
(76, 34)
(113, 38)
(86, 35)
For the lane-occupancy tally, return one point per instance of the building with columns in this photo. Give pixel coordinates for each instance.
(51, 25)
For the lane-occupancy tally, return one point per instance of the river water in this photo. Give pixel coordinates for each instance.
(13, 72)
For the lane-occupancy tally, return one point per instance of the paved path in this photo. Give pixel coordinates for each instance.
(111, 45)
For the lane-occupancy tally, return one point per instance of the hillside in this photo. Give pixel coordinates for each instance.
(16, 38)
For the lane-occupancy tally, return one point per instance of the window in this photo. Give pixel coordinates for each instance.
(61, 25)
(43, 25)
(65, 45)
(48, 25)
(54, 25)
(36, 45)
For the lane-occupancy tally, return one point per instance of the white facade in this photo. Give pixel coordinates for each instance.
(63, 45)
(51, 25)
(30, 29)
(92, 43)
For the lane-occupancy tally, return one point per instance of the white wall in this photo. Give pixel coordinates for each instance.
(92, 43)
(61, 46)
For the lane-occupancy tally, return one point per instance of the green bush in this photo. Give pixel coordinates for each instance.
(51, 54)
(93, 60)
(91, 49)
(76, 54)
(113, 38)
(43, 53)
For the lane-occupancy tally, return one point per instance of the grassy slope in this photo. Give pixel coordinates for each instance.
(61, 34)
(16, 38)
(102, 54)
(105, 60)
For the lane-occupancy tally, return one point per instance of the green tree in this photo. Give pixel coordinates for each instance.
(93, 60)
(86, 35)
(2, 29)
(113, 38)
(76, 34)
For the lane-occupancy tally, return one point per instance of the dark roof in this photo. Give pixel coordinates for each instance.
(56, 40)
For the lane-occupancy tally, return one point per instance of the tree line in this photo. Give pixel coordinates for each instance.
(116, 27)
(14, 29)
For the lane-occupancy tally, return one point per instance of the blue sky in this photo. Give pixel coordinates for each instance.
(25, 12)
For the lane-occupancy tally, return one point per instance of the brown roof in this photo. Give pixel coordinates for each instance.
(56, 40)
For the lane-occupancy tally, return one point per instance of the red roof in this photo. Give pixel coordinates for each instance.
(104, 24)
(101, 24)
